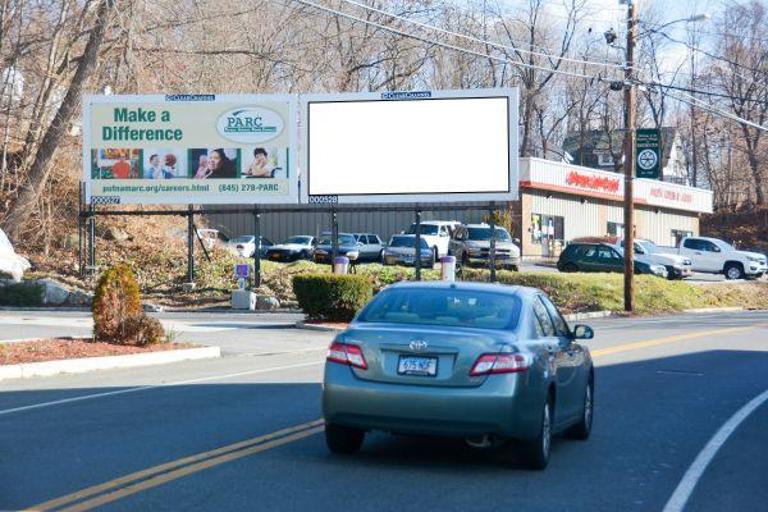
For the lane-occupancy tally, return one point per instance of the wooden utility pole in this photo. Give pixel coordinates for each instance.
(629, 160)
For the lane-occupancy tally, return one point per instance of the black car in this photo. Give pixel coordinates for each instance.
(347, 246)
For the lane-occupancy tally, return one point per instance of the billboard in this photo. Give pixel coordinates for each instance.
(410, 147)
(179, 149)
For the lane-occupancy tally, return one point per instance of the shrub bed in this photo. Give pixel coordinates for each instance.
(332, 297)
(21, 294)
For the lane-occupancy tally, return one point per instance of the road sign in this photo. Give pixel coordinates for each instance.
(241, 271)
(648, 153)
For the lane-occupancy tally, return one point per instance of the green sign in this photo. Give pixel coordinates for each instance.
(648, 153)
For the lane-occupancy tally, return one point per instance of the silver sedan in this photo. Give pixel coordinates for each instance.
(484, 362)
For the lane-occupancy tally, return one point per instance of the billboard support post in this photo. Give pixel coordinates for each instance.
(190, 244)
(492, 249)
(257, 249)
(91, 267)
(417, 245)
(334, 236)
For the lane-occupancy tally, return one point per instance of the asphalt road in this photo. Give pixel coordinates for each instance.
(127, 439)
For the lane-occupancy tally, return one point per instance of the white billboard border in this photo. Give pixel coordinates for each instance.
(293, 103)
(512, 93)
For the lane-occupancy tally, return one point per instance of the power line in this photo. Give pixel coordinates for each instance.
(444, 45)
(705, 106)
(480, 41)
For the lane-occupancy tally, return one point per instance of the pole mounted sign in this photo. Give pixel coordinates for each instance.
(648, 153)
(180, 149)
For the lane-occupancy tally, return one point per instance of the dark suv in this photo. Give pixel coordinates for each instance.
(596, 257)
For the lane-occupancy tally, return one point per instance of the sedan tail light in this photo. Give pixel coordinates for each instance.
(488, 364)
(344, 353)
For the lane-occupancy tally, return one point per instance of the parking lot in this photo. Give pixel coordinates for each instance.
(241, 432)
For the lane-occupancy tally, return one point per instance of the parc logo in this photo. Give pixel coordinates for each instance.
(250, 125)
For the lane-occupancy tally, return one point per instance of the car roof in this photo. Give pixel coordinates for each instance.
(440, 222)
(470, 286)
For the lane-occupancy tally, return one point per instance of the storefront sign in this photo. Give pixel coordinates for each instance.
(207, 149)
(592, 182)
(648, 153)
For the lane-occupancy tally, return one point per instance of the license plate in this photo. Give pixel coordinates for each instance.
(409, 259)
(410, 365)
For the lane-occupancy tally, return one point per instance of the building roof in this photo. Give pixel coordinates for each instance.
(597, 141)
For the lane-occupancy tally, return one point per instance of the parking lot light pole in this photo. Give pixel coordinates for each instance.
(334, 237)
(629, 160)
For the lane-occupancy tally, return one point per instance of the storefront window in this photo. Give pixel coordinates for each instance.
(615, 229)
(679, 234)
(547, 227)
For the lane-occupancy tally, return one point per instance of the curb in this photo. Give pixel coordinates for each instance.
(315, 327)
(88, 364)
(70, 338)
(573, 317)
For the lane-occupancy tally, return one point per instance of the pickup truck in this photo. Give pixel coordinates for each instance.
(714, 256)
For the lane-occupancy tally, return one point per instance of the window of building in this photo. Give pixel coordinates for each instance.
(547, 227)
(679, 234)
(615, 229)
(605, 159)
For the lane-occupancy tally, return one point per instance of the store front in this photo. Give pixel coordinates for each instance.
(561, 202)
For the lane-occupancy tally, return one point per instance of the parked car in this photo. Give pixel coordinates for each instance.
(678, 267)
(299, 247)
(401, 250)
(11, 264)
(437, 233)
(245, 246)
(347, 246)
(599, 257)
(471, 244)
(714, 256)
(371, 246)
(479, 361)
(210, 237)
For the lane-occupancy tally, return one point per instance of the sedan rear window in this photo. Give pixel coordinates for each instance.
(447, 307)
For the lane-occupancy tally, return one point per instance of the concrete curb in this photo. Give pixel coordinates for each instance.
(574, 317)
(314, 327)
(715, 310)
(22, 340)
(88, 364)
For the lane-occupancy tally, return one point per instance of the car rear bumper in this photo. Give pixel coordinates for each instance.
(426, 261)
(678, 272)
(503, 405)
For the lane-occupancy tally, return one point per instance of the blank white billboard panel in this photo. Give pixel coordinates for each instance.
(450, 146)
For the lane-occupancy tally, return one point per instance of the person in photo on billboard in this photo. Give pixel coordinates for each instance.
(154, 171)
(121, 170)
(202, 168)
(220, 165)
(260, 167)
(169, 169)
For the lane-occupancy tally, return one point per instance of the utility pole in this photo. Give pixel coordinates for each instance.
(629, 160)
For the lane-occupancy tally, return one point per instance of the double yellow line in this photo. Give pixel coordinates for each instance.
(118, 488)
(127, 485)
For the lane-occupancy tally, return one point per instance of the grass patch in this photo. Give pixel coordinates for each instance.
(578, 293)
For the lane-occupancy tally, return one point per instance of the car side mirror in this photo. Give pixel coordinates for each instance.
(583, 332)
(717, 249)
(516, 241)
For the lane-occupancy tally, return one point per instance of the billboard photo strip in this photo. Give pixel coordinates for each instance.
(181, 149)
(410, 147)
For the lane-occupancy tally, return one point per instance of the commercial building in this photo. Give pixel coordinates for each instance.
(558, 202)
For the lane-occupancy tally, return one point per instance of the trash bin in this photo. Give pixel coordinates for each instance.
(448, 268)
(340, 265)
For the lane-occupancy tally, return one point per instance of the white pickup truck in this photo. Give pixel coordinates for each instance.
(714, 256)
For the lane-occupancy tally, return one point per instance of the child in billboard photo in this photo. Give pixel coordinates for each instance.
(163, 164)
(262, 166)
(116, 164)
(220, 163)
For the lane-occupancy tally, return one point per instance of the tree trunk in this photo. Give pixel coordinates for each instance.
(39, 170)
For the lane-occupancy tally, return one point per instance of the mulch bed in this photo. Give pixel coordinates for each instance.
(54, 349)
(335, 325)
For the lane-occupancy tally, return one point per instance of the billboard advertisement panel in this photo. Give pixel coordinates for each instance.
(179, 149)
(410, 147)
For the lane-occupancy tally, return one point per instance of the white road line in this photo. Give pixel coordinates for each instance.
(686, 486)
(154, 386)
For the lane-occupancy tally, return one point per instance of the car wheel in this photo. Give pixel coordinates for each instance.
(343, 440)
(734, 271)
(536, 452)
(583, 428)
(570, 267)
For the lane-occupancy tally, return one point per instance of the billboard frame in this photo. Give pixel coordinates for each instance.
(158, 99)
(511, 194)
